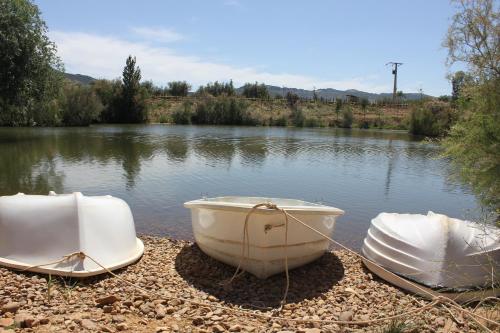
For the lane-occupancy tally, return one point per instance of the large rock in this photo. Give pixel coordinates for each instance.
(107, 300)
(11, 307)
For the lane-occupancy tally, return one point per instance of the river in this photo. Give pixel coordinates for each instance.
(155, 168)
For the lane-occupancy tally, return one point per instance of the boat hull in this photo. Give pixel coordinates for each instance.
(435, 251)
(218, 231)
(42, 233)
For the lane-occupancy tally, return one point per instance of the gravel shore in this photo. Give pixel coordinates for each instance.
(336, 287)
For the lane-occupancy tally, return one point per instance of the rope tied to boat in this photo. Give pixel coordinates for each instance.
(75, 255)
(435, 299)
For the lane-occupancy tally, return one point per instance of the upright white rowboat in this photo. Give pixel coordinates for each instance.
(218, 229)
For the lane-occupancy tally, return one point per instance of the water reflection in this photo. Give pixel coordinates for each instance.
(156, 168)
(177, 148)
(215, 150)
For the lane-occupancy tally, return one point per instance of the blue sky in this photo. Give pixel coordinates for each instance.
(303, 44)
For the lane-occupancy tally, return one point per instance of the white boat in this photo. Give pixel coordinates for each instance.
(38, 231)
(218, 229)
(443, 254)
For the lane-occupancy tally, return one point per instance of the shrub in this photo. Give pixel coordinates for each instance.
(255, 90)
(280, 121)
(178, 88)
(109, 93)
(364, 124)
(347, 117)
(217, 89)
(313, 122)
(182, 115)
(222, 111)
(298, 117)
(292, 99)
(80, 105)
(431, 119)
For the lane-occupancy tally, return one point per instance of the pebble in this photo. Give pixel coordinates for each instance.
(4, 322)
(343, 290)
(346, 316)
(107, 300)
(122, 327)
(11, 307)
(235, 328)
(89, 325)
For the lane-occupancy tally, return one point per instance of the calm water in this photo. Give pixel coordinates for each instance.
(156, 168)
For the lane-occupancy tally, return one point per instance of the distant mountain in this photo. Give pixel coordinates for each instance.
(79, 78)
(330, 93)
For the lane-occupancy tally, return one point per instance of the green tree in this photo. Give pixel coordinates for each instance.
(80, 105)
(338, 107)
(132, 106)
(364, 106)
(347, 117)
(457, 82)
(178, 88)
(255, 90)
(29, 68)
(109, 93)
(473, 37)
(473, 144)
(292, 99)
(217, 89)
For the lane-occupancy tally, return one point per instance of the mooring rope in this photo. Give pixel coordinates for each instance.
(435, 299)
(287, 215)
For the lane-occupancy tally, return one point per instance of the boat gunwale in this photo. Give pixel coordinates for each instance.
(24, 267)
(315, 209)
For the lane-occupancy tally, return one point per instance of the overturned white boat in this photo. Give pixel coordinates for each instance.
(218, 226)
(38, 233)
(443, 254)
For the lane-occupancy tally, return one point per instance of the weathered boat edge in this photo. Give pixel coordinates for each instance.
(426, 292)
(78, 274)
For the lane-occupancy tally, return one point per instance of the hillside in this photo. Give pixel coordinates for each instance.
(328, 93)
(79, 78)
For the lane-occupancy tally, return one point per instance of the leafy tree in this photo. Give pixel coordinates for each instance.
(473, 142)
(109, 93)
(292, 99)
(178, 88)
(347, 117)
(29, 68)
(132, 104)
(338, 107)
(473, 37)
(80, 105)
(255, 90)
(364, 106)
(217, 89)
(458, 81)
(432, 118)
(298, 117)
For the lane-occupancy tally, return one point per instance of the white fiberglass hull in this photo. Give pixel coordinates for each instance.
(37, 232)
(434, 250)
(218, 229)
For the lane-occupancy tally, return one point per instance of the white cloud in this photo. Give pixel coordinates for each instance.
(104, 57)
(161, 35)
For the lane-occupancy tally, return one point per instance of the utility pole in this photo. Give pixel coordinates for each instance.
(394, 66)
